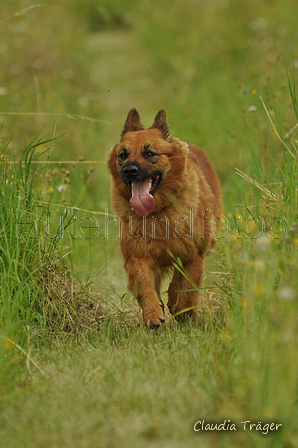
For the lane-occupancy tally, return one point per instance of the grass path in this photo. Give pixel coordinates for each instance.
(123, 81)
(124, 78)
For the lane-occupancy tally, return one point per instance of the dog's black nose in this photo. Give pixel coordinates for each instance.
(131, 171)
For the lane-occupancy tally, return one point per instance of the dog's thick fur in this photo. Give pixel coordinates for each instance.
(178, 218)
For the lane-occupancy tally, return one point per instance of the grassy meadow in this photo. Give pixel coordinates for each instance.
(77, 367)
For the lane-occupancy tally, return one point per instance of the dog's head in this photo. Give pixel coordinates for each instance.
(147, 165)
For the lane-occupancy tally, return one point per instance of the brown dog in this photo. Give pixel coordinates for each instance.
(168, 200)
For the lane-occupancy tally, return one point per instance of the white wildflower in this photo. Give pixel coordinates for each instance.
(3, 91)
(252, 109)
(263, 243)
(61, 188)
(286, 293)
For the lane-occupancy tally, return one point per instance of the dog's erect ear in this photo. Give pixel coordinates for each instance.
(132, 122)
(160, 122)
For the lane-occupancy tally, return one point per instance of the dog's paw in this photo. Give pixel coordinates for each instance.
(153, 315)
(182, 313)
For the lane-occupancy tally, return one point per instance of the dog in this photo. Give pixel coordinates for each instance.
(169, 204)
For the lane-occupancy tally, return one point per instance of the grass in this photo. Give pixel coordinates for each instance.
(87, 373)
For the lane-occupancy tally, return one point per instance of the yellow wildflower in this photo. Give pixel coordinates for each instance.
(259, 289)
(243, 302)
(224, 335)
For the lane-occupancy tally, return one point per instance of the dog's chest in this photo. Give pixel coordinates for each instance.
(157, 239)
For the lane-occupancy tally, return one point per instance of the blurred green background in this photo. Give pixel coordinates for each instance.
(71, 70)
(206, 63)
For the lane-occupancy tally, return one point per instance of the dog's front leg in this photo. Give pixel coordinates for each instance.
(142, 282)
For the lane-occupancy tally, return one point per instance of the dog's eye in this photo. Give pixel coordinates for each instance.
(149, 154)
(122, 156)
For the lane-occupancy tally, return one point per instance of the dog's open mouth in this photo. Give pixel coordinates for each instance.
(142, 199)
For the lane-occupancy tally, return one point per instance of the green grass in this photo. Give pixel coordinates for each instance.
(116, 383)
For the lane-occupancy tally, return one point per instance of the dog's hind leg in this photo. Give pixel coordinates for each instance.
(183, 293)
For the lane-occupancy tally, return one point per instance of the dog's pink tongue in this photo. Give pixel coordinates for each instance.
(142, 201)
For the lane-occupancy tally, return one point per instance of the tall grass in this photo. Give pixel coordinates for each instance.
(21, 257)
(22, 251)
(260, 337)
(37, 291)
